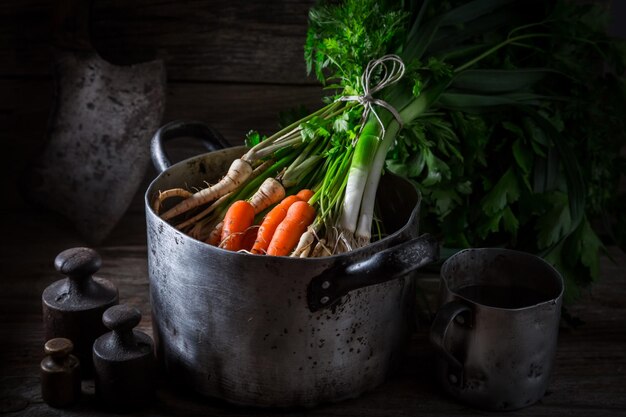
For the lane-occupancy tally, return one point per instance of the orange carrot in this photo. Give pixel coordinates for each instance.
(299, 216)
(305, 194)
(249, 237)
(270, 223)
(238, 218)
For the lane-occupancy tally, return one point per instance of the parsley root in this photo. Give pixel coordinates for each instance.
(238, 172)
(270, 192)
(164, 195)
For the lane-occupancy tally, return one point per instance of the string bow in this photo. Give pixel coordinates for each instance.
(390, 75)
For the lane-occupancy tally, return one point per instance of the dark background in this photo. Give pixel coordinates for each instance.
(233, 64)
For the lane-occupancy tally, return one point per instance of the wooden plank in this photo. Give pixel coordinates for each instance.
(217, 40)
(588, 379)
(25, 37)
(409, 391)
(233, 109)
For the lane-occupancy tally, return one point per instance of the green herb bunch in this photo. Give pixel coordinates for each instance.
(513, 116)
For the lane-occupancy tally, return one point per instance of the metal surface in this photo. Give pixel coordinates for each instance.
(73, 307)
(123, 361)
(102, 119)
(210, 138)
(493, 357)
(327, 289)
(60, 374)
(238, 326)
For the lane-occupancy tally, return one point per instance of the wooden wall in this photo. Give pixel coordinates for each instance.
(233, 64)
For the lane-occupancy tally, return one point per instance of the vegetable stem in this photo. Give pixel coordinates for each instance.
(497, 47)
(357, 178)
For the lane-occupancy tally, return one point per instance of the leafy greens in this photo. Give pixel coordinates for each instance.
(513, 116)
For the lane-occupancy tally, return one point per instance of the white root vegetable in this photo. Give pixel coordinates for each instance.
(164, 195)
(203, 213)
(270, 192)
(257, 171)
(304, 244)
(320, 249)
(238, 172)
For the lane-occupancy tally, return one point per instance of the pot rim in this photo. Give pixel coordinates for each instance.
(444, 274)
(337, 257)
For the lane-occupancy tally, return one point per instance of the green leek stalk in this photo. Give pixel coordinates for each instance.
(364, 154)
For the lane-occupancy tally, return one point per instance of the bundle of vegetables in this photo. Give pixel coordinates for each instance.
(486, 104)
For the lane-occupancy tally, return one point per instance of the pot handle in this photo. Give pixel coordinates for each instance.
(327, 288)
(210, 137)
(453, 311)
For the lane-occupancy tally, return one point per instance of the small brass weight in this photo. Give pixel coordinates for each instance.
(60, 374)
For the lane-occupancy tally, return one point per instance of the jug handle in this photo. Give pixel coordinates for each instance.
(453, 311)
(210, 137)
(327, 288)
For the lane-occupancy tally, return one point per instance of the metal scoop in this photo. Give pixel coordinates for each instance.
(99, 130)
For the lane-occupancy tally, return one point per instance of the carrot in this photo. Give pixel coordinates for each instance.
(305, 194)
(249, 237)
(238, 172)
(299, 216)
(238, 218)
(270, 192)
(270, 223)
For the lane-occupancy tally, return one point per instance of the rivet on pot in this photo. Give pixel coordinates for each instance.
(453, 379)
(326, 285)
(324, 300)
(460, 319)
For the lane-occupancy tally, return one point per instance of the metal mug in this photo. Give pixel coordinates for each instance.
(496, 332)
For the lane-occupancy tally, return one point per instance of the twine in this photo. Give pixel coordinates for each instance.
(389, 76)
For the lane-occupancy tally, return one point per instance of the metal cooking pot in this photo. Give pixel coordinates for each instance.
(279, 331)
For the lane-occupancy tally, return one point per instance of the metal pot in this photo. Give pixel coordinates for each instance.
(279, 331)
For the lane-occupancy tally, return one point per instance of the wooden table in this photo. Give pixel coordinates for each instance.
(589, 378)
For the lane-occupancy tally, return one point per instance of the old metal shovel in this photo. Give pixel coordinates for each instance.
(99, 131)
